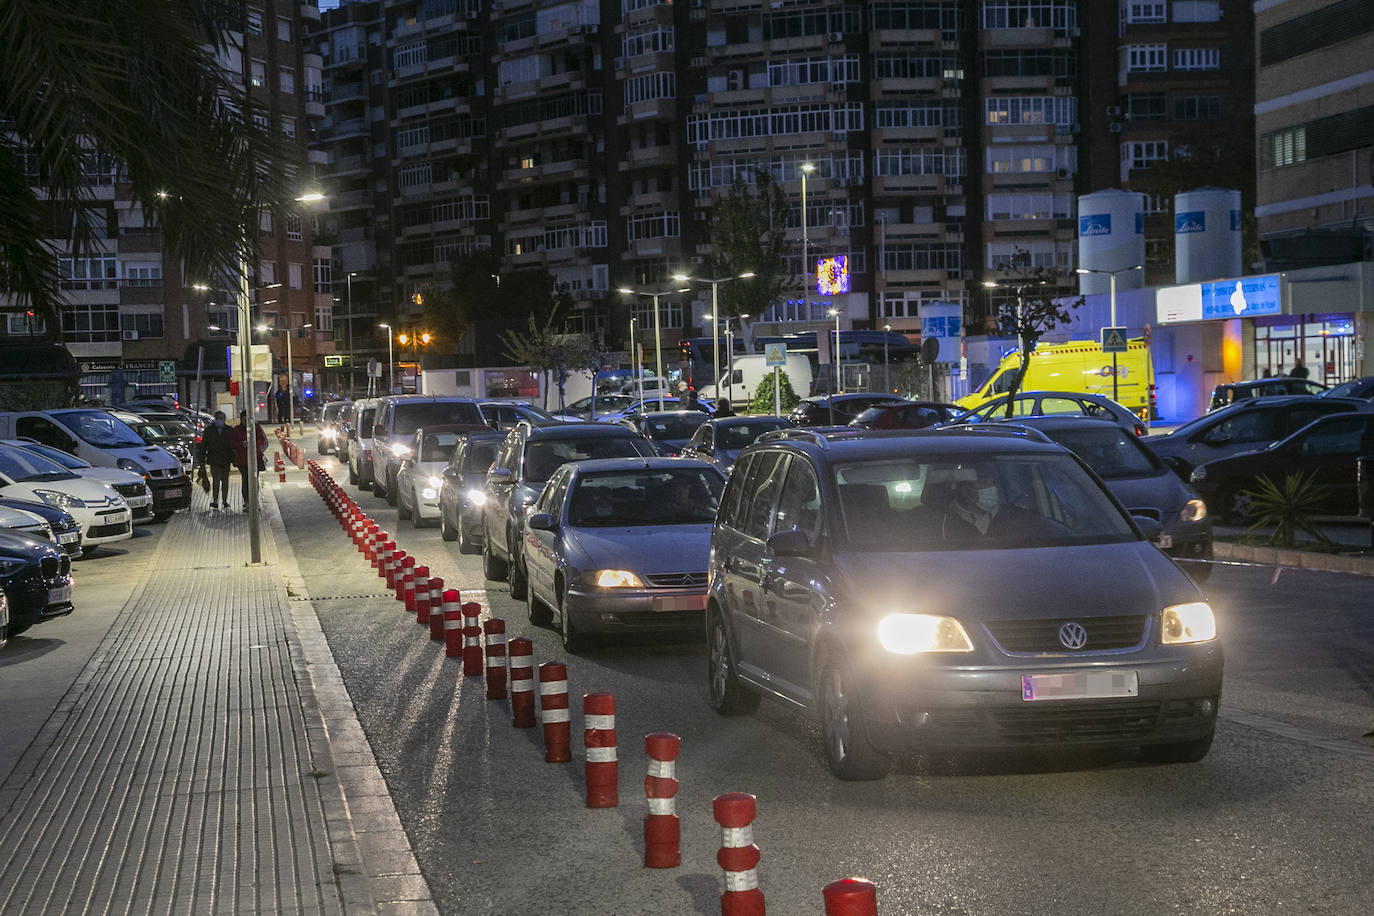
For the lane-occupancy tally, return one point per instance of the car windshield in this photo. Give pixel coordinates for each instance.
(165, 430)
(658, 496)
(71, 462)
(365, 422)
(438, 446)
(480, 456)
(985, 502)
(99, 428)
(1111, 453)
(410, 417)
(673, 427)
(739, 435)
(21, 464)
(543, 457)
(1345, 389)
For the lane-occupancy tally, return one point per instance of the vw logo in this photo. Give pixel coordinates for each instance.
(1073, 636)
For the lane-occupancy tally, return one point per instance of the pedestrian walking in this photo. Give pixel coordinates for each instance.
(216, 452)
(723, 408)
(1299, 370)
(238, 438)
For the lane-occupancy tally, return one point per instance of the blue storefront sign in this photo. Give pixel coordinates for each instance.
(1192, 221)
(1243, 298)
(1095, 224)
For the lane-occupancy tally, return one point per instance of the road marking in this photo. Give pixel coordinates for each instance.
(1300, 735)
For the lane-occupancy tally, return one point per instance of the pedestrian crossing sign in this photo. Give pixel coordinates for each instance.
(1113, 340)
(775, 354)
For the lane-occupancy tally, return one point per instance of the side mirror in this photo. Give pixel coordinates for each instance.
(1149, 527)
(541, 522)
(500, 475)
(452, 473)
(790, 544)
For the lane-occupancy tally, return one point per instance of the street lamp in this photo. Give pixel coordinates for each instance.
(348, 333)
(634, 362)
(658, 334)
(835, 389)
(806, 169)
(390, 363)
(715, 314)
(887, 379)
(1112, 279)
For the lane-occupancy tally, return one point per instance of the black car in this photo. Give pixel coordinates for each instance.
(907, 415)
(37, 580)
(1243, 427)
(816, 411)
(66, 531)
(1231, 392)
(1357, 388)
(462, 495)
(669, 430)
(720, 440)
(1326, 451)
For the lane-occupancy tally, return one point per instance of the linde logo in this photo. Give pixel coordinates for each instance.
(1196, 221)
(1095, 224)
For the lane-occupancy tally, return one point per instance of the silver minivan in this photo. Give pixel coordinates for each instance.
(397, 419)
(362, 416)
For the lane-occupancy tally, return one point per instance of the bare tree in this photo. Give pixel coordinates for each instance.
(1035, 311)
(545, 348)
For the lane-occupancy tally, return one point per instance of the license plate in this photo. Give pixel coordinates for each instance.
(173, 493)
(60, 595)
(69, 537)
(1164, 541)
(681, 603)
(1080, 685)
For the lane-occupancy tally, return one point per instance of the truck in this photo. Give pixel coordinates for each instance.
(1079, 366)
(751, 369)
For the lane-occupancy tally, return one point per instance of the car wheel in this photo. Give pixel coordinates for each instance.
(727, 695)
(1179, 751)
(539, 613)
(445, 531)
(1237, 506)
(352, 475)
(319, 447)
(492, 567)
(402, 510)
(519, 578)
(848, 750)
(573, 640)
(391, 489)
(465, 542)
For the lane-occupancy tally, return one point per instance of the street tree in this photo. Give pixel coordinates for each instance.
(749, 233)
(1037, 308)
(546, 348)
(137, 90)
(480, 299)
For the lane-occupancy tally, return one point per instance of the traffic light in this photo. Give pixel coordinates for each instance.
(685, 348)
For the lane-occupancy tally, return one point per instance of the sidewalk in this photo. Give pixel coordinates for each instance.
(207, 759)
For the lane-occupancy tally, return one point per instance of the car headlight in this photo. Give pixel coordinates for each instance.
(400, 450)
(1194, 511)
(477, 498)
(326, 434)
(59, 499)
(615, 578)
(128, 464)
(1187, 623)
(913, 634)
(9, 567)
(1199, 474)
(435, 483)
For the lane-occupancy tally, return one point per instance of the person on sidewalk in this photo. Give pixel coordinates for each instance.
(216, 452)
(1299, 370)
(238, 438)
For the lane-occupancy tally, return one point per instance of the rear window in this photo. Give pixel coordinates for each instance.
(542, 458)
(365, 423)
(738, 435)
(674, 427)
(410, 417)
(1111, 453)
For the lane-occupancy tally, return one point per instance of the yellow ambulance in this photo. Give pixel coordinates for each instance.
(1081, 366)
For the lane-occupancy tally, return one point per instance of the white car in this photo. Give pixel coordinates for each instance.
(420, 479)
(127, 484)
(102, 513)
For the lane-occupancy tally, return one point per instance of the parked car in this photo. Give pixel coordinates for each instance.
(651, 405)
(1231, 392)
(102, 513)
(327, 426)
(29, 524)
(503, 415)
(127, 484)
(1324, 450)
(36, 577)
(1140, 482)
(419, 479)
(397, 419)
(1243, 427)
(906, 415)
(1056, 404)
(524, 463)
(362, 418)
(1362, 388)
(816, 411)
(605, 404)
(50, 522)
(174, 435)
(952, 589)
(620, 545)
(462, 494)
(669, 431)
(719, 441)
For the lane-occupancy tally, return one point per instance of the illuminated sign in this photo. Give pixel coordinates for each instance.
(1244, 298)
(832, 275)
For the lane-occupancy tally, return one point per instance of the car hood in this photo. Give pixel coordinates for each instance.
(1160, 491)
(648, 551)
(1131, 578)
(110, 476)
(96, 495)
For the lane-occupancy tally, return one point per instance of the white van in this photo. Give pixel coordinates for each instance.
(752, 369)
(105, 441)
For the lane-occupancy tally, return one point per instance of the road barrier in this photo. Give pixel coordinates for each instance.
(521, 682)
(419, 595)
(437, 604)
(601, 772)
(453, 624)
(495, 630)
(472, 639)
(553, 712)
(662, 828)
(851, 897)
(405, 583)
(393, 572)
(738, 856)
(384, 557)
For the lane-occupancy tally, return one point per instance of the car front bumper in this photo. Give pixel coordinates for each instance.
(626, 610)
(170, 493)
(33, 599)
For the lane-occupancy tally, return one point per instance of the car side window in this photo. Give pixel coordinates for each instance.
(767, 481)
(41, 430)
(735, 488)
(1300, 416)
(1051, 406)
(558, 492)
(1337, 437)
(701, 438)
(799, 504)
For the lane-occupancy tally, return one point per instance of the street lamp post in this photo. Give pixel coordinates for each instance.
(806, 169)
(658, 334)
(835, 389)
(634, 363)
(348, 333)
(390, 362)
(715, 314)
(1111, 274)
(887, 378)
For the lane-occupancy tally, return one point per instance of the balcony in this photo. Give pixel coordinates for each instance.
(310, 12)
(649, 157)
(352, 57)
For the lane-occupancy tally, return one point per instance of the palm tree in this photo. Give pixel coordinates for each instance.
(140, 87)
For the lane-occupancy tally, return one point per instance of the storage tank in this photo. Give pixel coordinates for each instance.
(1207, 235)
(1111, 236)
(943, 321)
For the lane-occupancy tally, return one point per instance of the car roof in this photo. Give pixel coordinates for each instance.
(846, 443)
(1043, 392)
(842, 398)
(456, 428)
(671, 413)
(1063, 421)
(428, 399)
(1283, 400)
(578, 430)
(632, 464)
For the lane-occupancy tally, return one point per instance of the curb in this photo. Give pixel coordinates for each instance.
(1298, 559)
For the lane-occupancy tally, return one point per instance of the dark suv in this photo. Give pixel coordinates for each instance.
(524, 463)
(952, 589)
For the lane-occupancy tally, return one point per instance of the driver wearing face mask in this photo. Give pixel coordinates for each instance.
(978, 501)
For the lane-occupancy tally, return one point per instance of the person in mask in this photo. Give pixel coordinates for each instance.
(978, 501)
(217, 453)
(975, 508)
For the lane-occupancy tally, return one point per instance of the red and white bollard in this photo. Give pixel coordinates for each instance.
(495, 630)
(521, 682)
(662, 828)
(472, 639)
(405, 588)
(601, 770)
(384, 555)
(453, 625)
(393, 573)
(419, 595)
(436, 608)
(851, 897)
(738, 856)
(553, 712)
